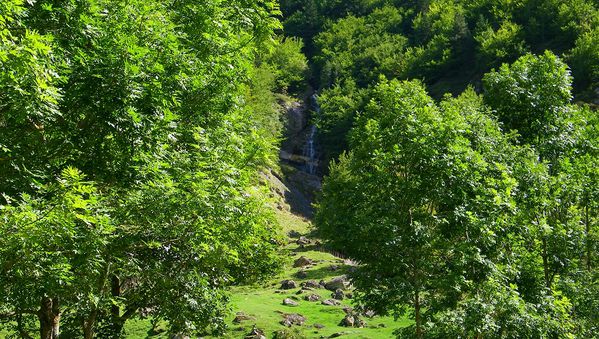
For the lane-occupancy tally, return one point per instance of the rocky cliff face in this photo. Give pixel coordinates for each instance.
(298, 180)
(299, 147)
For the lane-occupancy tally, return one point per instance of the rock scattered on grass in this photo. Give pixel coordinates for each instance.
(301, 274)
(240, 316)
(302, 262)
(331, 302)
(319, 326)
(337, 283)
(338, 294)
(311, 284)
(312, 297)
(290, 302)
(348, 321)
(256, 333)
(338, 334)
(288, 284)
(352, 319)
(303, 241)
(294, 234)
(293, 319)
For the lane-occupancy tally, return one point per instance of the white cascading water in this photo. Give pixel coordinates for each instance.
(310, 147)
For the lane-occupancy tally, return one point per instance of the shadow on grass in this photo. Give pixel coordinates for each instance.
(323, 273)
(307, 248)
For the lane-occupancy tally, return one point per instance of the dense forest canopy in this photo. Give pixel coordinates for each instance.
(448, 44)
(474, 210)
(459, 139)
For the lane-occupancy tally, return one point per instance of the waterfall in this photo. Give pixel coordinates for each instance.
(310, 146)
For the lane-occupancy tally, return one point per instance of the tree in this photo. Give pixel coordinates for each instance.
(555, 186)
(422, 201)
(288, 64)
(54, 253)
(503, 44)
(151, 104)
(531, 96)
(584, 58)
(339, 105)
(361, 48)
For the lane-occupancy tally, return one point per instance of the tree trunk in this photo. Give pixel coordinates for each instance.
(49, 317)
(88, 325)
(417, 315)
(115, 289)
(90, 321)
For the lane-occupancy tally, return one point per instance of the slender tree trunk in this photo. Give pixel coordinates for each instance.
(417, 315)
(115, 289)
(49, 317)
(88, 324)
(90, 321)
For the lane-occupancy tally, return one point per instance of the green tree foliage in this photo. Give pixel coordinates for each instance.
(503, 44)
(448, 36)
(361, 48)
(557, 188)
(532, 97)
(130, 138)
(448, 44)
(440, 34)
(307, 18)
(430, 187)
(478, 230)
(339, 106)
(584, 59)
(288, 64)
(54, 252)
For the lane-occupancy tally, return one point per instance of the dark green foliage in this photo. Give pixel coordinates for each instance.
(503, 44)
(306, 18)
(131, 134)
(288, 64)
(361, 48)
(338, 107)
(427, 187)
(531, 97)
(448, 44)
(584, 59)
(472, 229)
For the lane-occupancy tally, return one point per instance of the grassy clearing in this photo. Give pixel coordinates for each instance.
(264, 302)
